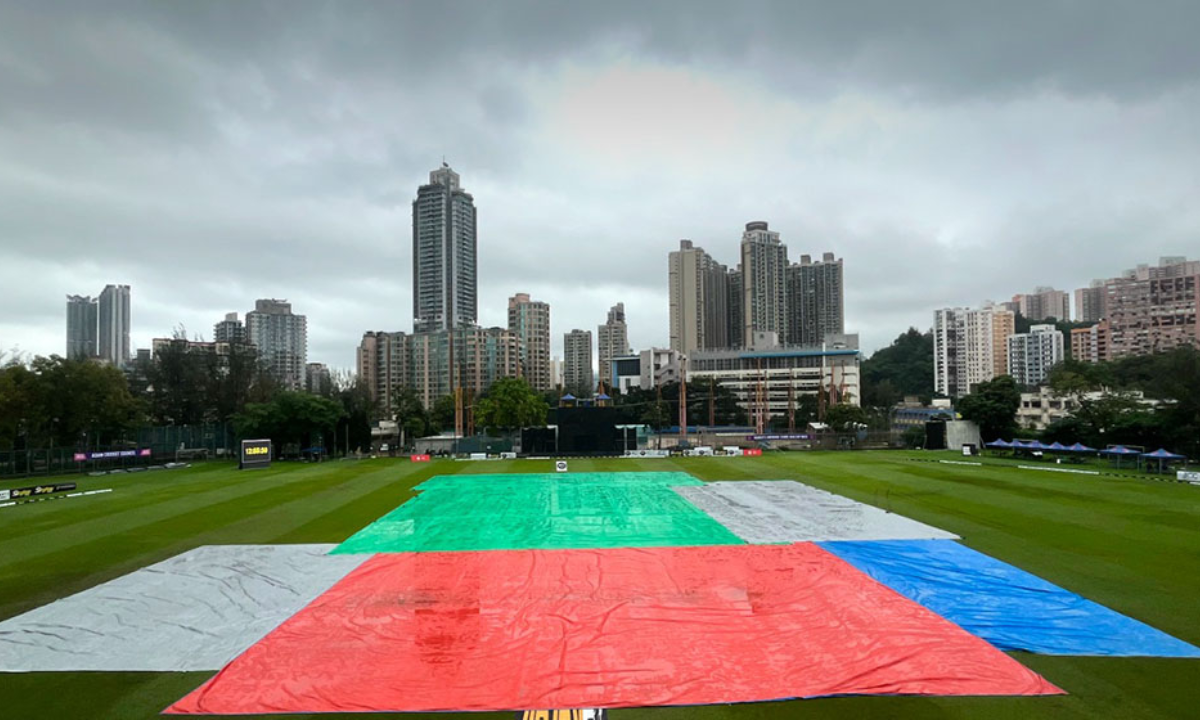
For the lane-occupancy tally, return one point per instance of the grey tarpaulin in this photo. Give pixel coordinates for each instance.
(785, 511)
(195, 611)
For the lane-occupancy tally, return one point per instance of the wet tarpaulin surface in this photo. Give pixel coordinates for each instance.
(785, 511)
(195, 611)
(1004, 605)
(604, 628)
(543, 511)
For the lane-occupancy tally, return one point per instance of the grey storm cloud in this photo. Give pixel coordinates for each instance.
(212, 153)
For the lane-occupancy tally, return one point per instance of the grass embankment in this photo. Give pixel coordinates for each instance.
(1130, 544)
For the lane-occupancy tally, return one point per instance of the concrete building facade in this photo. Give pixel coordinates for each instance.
(1044, 303)
(281, 338)
(612, 340)
(1154, 309)
(529, 321)
(1090, 302)
(577, 363)
(766, 381)
(230, 329)
(83, 322)
(444, 254)
(764, 282)
(1092, 344)
(698, 289)
(965, 347)
(1032, 354)
(113, 325)
(816, 300)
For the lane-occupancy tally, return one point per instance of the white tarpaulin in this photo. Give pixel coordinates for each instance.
(196, 611)
(785, 511)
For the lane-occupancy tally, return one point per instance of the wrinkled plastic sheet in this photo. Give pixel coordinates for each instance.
(1008, 607)
(785, 511)
(195, 611)
(604, 628)
(546, 511)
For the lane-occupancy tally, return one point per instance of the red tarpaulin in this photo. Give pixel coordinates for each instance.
(503, 630)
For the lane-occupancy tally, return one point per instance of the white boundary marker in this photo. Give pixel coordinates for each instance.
(60, 497)
(1062, 470)
(960, 462)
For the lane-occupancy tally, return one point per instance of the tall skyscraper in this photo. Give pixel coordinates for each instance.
(577, 362)
(965, 348)
(764, 283)
(529, 320)
(230, 330)
(282, 340)
(1032, 354)
(734, 314)
(82, 324)
(612, 340)
(113, 313)
(382, 360)
(444, 248)
(816, 300)
(699, 297)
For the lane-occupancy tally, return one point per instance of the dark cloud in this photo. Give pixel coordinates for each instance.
(950, 152)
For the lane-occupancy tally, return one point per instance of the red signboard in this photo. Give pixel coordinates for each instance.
(752, 451)
(419, 458)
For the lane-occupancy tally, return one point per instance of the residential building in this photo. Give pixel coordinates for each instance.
(647, 369)
(282, 340)
(230, 329)
(382, 362)
(734, 305)
(1043, 407)
(471, 358)
(966, 348)
(1044, 303)
(113, 325)
(1092, 344)
(767, 381)
(612, 340)
(764, 282)
(82, 325)
(444, 254)
(1032, 354)
(529, 320)
(816, 300)
(1154, 309)
(699, 299)
(1090, 302)
(1004, 324)
(317, 379)
(556, 373)
(577, 363)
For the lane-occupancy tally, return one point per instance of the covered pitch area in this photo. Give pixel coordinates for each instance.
(511, 591)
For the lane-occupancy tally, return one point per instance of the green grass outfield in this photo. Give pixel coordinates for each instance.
(1133, 545)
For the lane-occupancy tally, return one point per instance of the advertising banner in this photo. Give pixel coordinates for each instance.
(751, 452)
(111, 454)
(785, 436)
(560, 466)
(255, 454)
(419, 458)
(1188, 476)
(36, 490)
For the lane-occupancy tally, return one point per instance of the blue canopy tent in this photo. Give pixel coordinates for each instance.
(1118, 453)
(1081, 448)
(999, 444)
(1163, 457)
(1056, 447)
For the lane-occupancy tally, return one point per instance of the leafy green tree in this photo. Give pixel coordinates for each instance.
(354, 426)
(903, 368)
(65, 402)
(993, 406)
(409, 413)
(510, 404)
(291, 417)
(913, 437)
(441, 415)
(844, 416)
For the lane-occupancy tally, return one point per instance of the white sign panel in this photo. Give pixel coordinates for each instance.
(560, 466)
(1185, 475)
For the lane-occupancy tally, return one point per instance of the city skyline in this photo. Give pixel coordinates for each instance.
(160, 149)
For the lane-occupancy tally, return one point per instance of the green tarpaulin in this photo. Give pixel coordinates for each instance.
(545, 511)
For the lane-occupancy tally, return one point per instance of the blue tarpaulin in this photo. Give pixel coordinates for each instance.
(1002, 604)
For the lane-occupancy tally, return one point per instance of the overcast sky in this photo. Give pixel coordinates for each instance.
(210, 153)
